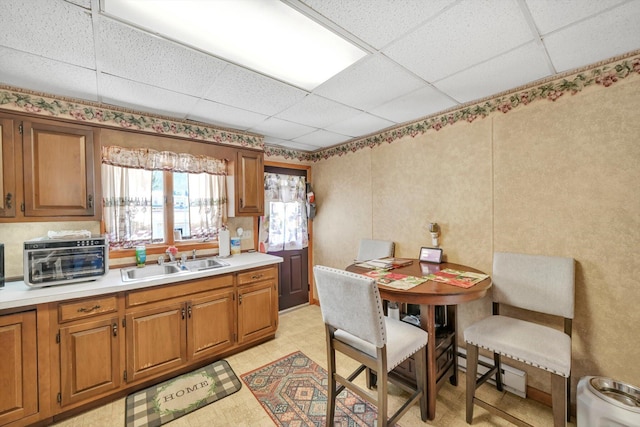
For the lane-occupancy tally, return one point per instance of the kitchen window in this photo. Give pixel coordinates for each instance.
(162, 198)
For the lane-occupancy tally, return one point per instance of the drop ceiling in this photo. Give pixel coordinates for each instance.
(423, 57)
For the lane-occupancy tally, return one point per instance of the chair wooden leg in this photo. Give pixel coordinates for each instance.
(421, 380)
(472, 372)
(568, 385)
(383, 386)
(559, 400)
(331, 386)
(497, 362)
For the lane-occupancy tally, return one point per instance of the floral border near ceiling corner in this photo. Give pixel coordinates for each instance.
(34, 103)
(604, 74)
(573, 83)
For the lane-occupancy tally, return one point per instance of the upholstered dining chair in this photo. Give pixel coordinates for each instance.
(373, 249)
(356, 327)
(537, 283)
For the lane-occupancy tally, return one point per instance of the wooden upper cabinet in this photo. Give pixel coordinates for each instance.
(7, 168)
(58, 169)
(249, 194)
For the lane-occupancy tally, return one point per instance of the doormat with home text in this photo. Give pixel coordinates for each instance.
(164, 402)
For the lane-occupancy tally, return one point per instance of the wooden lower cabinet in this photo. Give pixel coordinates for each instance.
(164, 334)
(211, 324)
(156, 340)
(257, 304)
(89, 360)
(89, 349)
(18, 367)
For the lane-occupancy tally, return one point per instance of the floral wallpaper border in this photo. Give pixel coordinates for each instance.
(603, 74)
(45, 105)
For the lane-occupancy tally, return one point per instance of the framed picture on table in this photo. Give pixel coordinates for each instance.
(430, 255)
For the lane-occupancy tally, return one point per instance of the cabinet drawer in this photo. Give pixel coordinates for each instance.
(86, 308)
(145, 296)
(257, 275)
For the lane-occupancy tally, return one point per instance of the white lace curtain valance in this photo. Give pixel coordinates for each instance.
(146, 158)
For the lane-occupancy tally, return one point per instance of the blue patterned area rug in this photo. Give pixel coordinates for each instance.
(293, 391)
(178, 396)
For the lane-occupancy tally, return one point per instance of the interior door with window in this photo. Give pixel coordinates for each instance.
(283, 231)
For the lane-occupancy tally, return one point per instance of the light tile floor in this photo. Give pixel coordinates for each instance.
(302, 329)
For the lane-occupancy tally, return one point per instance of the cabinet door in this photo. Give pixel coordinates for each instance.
(18, 367)
(7, 169)
(257, 311)
(211, 324)
(89, 360)
(249, 196)
(156, 340)
(58, 169)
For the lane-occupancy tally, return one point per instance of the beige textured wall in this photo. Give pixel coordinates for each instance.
(557, 178)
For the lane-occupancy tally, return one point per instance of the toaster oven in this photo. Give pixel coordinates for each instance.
(49, 262)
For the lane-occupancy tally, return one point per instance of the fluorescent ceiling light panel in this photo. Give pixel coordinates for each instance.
(267, 36)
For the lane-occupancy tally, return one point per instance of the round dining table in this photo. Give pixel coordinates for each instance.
(433, 296)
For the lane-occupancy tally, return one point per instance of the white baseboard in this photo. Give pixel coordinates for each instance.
(514, 380)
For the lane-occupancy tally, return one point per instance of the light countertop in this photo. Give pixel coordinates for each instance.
(17, 294)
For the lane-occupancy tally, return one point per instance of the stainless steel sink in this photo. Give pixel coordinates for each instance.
(204, 264)
(149, 272)
(134, 274)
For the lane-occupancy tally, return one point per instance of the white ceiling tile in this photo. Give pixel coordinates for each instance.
(224, 115)
(464, 35)
(83, 3)
(26, 71)
(136, 55)
(380, 22)
(420, 103)
(507, 71)
(317, 111)
(321, 138)
(361, 124)
(141, 97)
(290, 144)
(369, 83)
(251, 91)
(550, 15)
(54, 29)
(609, 34)
(281, 128)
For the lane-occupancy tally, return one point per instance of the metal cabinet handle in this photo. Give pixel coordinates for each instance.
(90, 200)
(8, 200)
(88, 310)
(115, 329)
(182, 313)
(240, 299)
(257, 276)
(189, 312)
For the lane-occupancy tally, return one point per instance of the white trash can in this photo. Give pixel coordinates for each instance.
(603, 402)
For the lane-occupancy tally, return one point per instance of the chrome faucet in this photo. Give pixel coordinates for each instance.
(193, 254)
(161, 260)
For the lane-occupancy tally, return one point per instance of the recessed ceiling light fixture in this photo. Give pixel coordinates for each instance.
(267, 36)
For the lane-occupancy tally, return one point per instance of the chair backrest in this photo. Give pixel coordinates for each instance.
(372, 249)
(351, 302)
(540, 283)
